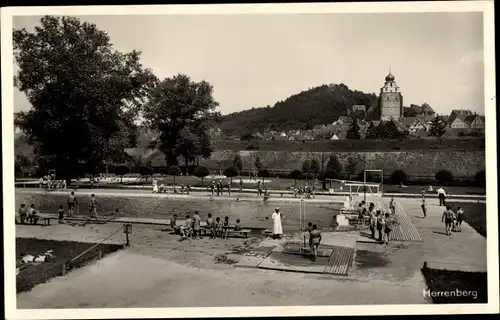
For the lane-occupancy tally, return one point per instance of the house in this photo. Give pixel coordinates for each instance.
(359, 107)
(475, 122)
(417, 124)
(344, 120)
(461, 112)
(458, 122)
(458, 113)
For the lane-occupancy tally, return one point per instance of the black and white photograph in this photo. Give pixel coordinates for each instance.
(209, 160)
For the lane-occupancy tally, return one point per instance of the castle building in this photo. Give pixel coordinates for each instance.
(390, 100)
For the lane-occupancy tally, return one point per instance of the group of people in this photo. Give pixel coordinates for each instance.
(50, 182)
(452, 220)
(304, 191)
(191, 228)
(29, 215)
(162, 189)
(381, 223)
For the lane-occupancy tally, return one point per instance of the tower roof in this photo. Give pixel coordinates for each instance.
(390, 77)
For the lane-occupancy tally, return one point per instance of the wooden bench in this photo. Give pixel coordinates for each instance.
(242, 232)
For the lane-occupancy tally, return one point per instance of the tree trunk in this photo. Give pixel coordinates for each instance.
(121, 180)
(201, 182)
(174, 179)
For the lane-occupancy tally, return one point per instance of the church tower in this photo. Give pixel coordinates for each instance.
(390, 100)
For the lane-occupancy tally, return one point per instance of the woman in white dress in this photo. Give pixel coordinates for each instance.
(277, 227)
(155, 186)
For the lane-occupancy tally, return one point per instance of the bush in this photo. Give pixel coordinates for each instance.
(332, 174)
(121, 170)
(295, 175)
(399, 177)
(201, 172)
(174, 171)
(370, 177)
(444, 177)
(145, 171)
(480, 178)
(231, 172)
(264, 173)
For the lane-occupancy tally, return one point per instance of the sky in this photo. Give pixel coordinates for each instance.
(257, 60)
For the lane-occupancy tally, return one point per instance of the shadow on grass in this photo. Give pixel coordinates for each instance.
(447, 286)
(474, 215)
(31, 274)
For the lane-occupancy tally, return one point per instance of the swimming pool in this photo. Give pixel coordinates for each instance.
(251, 213)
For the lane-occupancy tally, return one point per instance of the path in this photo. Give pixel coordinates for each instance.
(129, 279)
(464, 251)
(160, 271)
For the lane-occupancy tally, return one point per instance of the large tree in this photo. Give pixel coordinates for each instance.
(182, 111)
(84, 94)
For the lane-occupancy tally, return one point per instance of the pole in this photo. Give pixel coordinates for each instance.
(127, 240)
(364, 186)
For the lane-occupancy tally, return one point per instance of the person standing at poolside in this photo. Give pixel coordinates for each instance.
(392, 206)
(373, 222)
(380, 225)
(196, 225)
(447, 218)
(424, 209)
(155, 186)
(277, 227)
(460, 218)
(241, 185)
(71, 203)
(388, 227)
(315, 240)
(442, 196)
(93, 207)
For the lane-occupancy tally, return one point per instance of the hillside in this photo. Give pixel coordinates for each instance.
(319, 105)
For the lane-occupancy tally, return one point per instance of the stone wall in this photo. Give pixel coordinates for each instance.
(416, 164)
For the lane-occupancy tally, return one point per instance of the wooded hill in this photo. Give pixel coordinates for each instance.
(319, 105)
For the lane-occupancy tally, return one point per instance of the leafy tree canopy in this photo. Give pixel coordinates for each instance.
(84, 94)
(438, 127)
(182, 111)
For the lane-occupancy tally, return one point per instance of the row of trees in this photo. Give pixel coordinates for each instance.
(390, 130)
(88, 100)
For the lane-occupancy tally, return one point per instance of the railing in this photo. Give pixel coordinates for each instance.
(69, 264)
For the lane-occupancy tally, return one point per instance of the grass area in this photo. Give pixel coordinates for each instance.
(32, 274)
(448, 286)
(474, 215)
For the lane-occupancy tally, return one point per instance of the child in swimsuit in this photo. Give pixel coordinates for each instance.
(460, 218)
(23, 213)
(237, 226)
(225, 226)
(61, 214)
(217, 226)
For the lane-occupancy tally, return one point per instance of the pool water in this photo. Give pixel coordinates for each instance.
(252, 214)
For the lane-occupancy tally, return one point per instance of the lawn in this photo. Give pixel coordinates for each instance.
(32, 274)
(474, 215)
(461, 287)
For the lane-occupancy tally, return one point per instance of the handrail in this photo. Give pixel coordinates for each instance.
(95, 245)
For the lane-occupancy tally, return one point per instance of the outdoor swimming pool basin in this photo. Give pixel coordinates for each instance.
(252, 213)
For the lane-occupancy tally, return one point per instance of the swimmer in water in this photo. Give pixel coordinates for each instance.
(237, 199)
